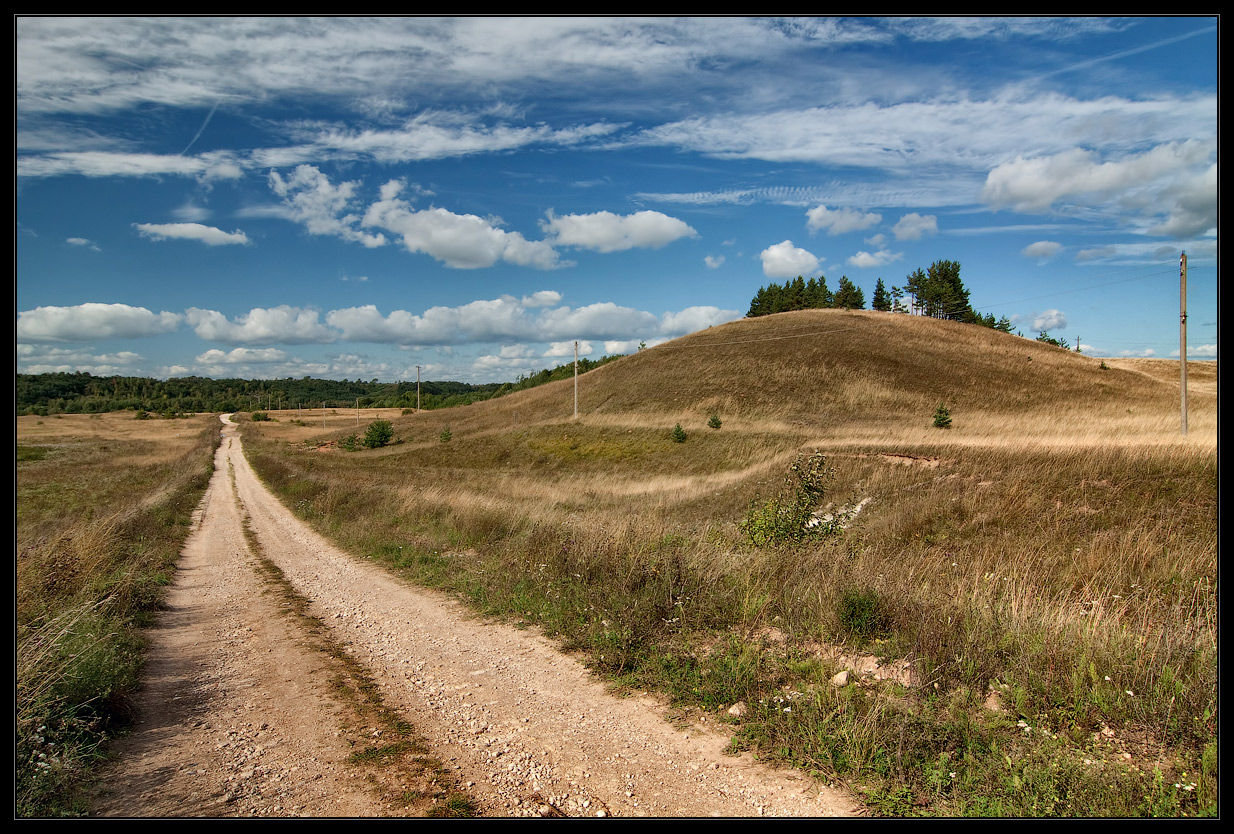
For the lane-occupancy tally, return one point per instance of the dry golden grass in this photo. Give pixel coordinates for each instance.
(1060, 537)
(103, 504)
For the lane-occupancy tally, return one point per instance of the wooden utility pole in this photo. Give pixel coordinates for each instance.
(1182, 332)
(576, 380)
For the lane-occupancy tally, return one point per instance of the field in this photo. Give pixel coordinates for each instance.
(1043, 572)
(103, 505)
(1025, 603)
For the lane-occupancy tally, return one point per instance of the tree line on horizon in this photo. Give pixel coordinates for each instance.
(84, 393)
(937, 292)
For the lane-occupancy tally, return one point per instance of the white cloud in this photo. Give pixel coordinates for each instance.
(783, 260)
(43, 359)
(310, 198)
(605, 231)
(913, 225)
(275, 325)
(205, 168)
(89, 321)
(882, 257)
(713, 261)
(1195, 207)
(839, 221)
(241, 356)
(1049, 320)
(528, 320)
(558, 350)
(1181, 176)
(695, 318)
(1042, 249)
(81, 241)
(462, 241)
(208, 235)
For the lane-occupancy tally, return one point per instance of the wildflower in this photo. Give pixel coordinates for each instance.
(1129, 692)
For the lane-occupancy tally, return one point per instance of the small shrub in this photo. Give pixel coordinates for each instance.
(679, 434)
(942, 417)
(860, 612)
(349, 443)
(788, 519)
(379, 433)
(260, 417)
(714, 422)
(445, 435)
(1104, 366)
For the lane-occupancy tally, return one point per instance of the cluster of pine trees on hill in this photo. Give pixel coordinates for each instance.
(937, 292)
(800, 294)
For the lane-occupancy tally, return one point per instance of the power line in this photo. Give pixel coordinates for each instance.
(1167, 271)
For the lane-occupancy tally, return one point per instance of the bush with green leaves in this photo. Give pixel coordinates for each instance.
(678, 434)
(260, 416)
(789, 519)
(379, 433)
(349, 443)
(942, 417)
(714, 422)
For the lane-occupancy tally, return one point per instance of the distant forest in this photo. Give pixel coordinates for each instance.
(936, 292)
(82, 393)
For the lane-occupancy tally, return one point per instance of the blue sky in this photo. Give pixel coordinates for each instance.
(350, 198)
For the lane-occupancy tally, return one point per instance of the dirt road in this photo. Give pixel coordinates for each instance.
(244, 713)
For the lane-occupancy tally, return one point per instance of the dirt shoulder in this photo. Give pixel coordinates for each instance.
(244, 713)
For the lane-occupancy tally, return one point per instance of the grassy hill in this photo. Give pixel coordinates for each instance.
(1046, 567)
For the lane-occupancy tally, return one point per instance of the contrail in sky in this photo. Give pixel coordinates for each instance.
(197, 135)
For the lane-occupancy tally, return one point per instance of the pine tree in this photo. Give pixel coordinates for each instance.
(881, 300)
(849, 296)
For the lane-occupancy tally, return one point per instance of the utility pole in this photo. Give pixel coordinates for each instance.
(417, 389)
(576, 380)
(1182, 332)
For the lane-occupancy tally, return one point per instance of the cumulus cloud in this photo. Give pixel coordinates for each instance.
(713, 261)
(1194, 210)
(605, 231)
(1049, 320)
(208, 235)
(783, 260)
(276, 325)
(89, 321)
(913, 225)
(1042, 249)
(880, 258)
(1142, 182)
(81, 241)
(462, 241)
(311, 199)
(241, 356)
(558, 350)
(530, 319)
(839, 221)
(44, 359)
